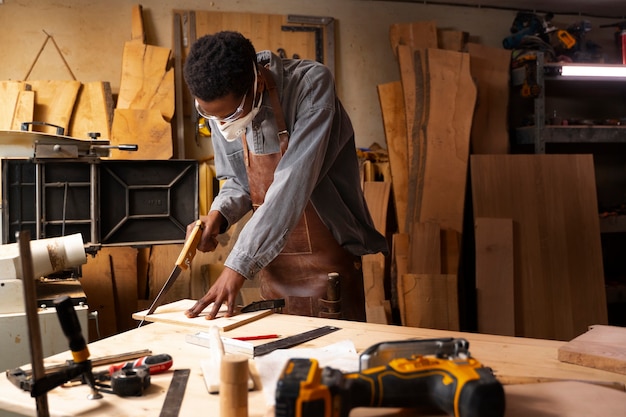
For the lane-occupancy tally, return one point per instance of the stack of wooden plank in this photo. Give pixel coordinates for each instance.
(76, 108)
(146, 101)
(427, 117)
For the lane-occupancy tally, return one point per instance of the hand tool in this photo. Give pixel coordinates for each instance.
(263, 305)
(155, 364)
(80, 366)
(183, 262)
(232, 345)
(456, 384)
(175, 393)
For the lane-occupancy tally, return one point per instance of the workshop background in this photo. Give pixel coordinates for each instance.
(499, 256)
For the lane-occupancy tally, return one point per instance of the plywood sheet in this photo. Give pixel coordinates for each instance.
(495, 276)
(602, 347)
(559, 280)
(174, 313)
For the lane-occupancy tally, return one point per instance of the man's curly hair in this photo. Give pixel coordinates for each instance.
(220, 64)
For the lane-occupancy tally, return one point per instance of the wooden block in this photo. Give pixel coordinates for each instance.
(601, 347)
(495, 276)
(431, 301)
(174, 313)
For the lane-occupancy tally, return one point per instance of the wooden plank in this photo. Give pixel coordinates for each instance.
(93, 111)
(416, 35)
(495, 276)
(425, 249)
(400, 249)
(490, 68)
(452, 94)
(162, 262)
(123, 262)
(137, 32)
(147, 81)
(377, 198)
(263, 30)
(174, 313)
(431, 301)
(559, 289)
(9, 101)
(450, 251)
(24, 110)
(97, 284)
(601, 347)
(453, 40)
(54, 103)
(145, 128)
(394, 122)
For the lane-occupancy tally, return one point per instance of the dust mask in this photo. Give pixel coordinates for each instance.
(233, 130)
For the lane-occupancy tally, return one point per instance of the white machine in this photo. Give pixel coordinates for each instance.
(48, 255)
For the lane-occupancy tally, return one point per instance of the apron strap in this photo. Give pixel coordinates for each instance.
(283, 134)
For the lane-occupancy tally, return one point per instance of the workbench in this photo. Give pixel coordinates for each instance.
(509, 356)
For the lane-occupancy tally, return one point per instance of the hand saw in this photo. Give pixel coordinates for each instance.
(183, 262)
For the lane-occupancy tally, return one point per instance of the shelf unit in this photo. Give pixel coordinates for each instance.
(595, 109)
(540, 132)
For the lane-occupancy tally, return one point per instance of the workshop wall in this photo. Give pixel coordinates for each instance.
(91, 37)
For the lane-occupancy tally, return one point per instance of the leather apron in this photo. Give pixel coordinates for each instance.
(300, 273)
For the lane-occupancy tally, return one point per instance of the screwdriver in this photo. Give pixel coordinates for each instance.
(155, 363)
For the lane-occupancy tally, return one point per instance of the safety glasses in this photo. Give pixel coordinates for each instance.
(232, 117)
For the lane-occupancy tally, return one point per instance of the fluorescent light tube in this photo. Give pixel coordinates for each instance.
(593, 71)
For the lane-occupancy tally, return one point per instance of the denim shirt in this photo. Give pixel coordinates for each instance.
(320, 165)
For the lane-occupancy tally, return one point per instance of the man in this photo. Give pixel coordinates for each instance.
(285, 147)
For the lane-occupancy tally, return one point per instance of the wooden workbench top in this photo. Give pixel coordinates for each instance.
(505, 355)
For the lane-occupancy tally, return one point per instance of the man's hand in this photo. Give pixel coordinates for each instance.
(212, 224)
(224, 290)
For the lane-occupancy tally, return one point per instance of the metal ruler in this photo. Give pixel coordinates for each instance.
(294, 340)
(175, 393)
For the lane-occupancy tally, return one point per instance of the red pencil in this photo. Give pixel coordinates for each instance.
(259, 337)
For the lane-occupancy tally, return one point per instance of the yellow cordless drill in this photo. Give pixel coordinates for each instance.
(454, 383)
